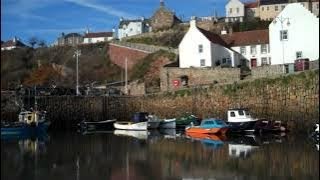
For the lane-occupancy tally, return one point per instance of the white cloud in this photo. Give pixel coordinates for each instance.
(102, 8)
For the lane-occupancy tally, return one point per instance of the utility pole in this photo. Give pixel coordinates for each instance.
(126, 76)
(77, 53)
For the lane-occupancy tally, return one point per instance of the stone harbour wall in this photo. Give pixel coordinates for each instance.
(196, 76)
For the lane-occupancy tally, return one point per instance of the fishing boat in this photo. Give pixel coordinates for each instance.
(240, 120)
(94, 125)
(167, 123)
(209, 126)
(153, 121)
(187, 120)
(139, 126)
(30, 123)
(266, 126)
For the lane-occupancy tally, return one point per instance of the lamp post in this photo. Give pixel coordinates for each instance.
(77, 53)
(282, 20)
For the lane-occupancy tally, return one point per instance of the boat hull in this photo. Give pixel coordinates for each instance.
(106, 125)
(141, 126)
(168, 124)
(238, 127)
(25, 129)
(201, 130)
(153, 124)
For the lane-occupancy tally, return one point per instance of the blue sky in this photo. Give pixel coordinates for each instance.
(47, 19)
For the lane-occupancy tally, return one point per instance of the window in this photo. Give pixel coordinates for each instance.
(269, 60)
(237, 10)
(299, 54)
(232, 114)
(243, 50)
(131, 29)
(200, 48)
(268, 48)
(262, 9)
(276, 8)
(224, 60)
(263, 48)
(284, 35)
(230, 10)
(283, 6)
(241, 113)
(264, 61)
(253, 49)
(267, 8)
(202, 62)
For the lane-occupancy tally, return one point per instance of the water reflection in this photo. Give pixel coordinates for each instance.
(152, 155)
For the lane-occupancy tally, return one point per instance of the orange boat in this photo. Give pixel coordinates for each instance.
(209, 126)
(213, 137)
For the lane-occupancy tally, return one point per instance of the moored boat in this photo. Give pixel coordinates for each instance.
(30, 123)
(240, 120)
(209, 126)
(139, 126)
(186, 120)
(94, 125)
(265, 126)
(168, 123)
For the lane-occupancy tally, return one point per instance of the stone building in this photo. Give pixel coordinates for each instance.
(71, 39)
(163, 18)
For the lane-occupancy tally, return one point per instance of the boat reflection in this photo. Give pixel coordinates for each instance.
(212, 141)
(243, 146)
(169, 133)
(143, 135)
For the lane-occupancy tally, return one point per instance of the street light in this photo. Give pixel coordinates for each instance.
(77, 53)
(282, 20)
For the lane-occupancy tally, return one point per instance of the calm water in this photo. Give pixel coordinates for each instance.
(156, 155)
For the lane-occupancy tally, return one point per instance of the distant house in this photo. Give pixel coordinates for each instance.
(133, 27)
(234, 11)
(71, 39)
(252, 45)
(91, 37)
(252, 10)
(201, 48)
(294, 34)
(163, 18)
(269, 9)
(12, 44)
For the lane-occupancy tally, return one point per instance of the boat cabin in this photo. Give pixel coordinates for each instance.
(239, 115)
(209, 123)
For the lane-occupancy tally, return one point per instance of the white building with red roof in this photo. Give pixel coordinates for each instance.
(201, 48)
(95, 37)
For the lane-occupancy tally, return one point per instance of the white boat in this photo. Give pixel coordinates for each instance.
(140, 126)
(241, 120)
(153, 122)
(136, 134)
(168, 123)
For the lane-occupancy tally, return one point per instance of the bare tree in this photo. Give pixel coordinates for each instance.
(33, 41)
(42, 43)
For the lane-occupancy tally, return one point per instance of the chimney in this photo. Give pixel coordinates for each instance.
(230, 30)
(193, 21)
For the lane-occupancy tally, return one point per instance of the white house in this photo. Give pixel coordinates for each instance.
(235, 11)
(133, 27)
(252, 45)
(201, 48)
(12, 44)
(98, 37)
(294, 34)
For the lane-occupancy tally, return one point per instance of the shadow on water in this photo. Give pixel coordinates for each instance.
(165, 154)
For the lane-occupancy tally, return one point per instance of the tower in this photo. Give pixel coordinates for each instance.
(161, 3)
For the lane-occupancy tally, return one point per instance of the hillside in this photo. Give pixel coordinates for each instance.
(56, 66)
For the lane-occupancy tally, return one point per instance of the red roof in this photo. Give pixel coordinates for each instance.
(247, 38)
(213, 37)
(98, 34)
(251, 4)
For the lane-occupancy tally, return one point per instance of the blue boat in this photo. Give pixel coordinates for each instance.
(31, 123)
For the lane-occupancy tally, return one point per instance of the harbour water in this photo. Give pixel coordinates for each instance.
(121, 155)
